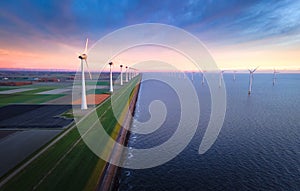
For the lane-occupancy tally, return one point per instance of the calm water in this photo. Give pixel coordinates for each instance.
(258, 147)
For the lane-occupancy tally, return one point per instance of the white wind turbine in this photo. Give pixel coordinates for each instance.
(111, 89)
(83, 57)
(220, 78)
(234, 73)
(251, 80)
(121, 67)
(203, 78)
(274, 76)
(126, 75)
(129, 73)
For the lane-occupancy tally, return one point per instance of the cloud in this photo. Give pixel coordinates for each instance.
(49, 26)
(263, 20)
(232, 18)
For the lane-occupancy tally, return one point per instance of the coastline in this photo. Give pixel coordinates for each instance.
(109, 179)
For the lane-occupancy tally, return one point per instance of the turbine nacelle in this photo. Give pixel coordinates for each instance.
(83, 56)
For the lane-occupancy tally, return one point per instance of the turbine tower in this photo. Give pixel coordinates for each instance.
(274, 76)
(203, 78)
(129, 73)
(83, 57)
(234, 77)
(121, 66)
(220, 78)
(126, 75)
(251, 80)
(110, 78)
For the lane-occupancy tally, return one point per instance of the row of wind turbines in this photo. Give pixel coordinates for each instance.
(130, 74)
(251, 73)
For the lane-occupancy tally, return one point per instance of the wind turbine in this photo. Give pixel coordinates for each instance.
(220, 78)
(234, 72)
(251, 79)
(274, 76)
(192, 76)
(121, 66)
(83, 57)
(203, 77)
(129, 73)
(126, 75)
(110, 78)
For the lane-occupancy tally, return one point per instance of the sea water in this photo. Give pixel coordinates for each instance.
(258, 147)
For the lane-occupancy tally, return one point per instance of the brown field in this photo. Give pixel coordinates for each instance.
(15, 83)
(93, 99)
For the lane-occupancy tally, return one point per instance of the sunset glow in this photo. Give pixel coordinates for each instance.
(238, 35)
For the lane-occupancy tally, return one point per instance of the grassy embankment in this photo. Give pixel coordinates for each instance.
(70, 164)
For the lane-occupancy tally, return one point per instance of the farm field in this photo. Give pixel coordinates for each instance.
(5, 133)
(93, 99)
(28, 97)
(33, 116)
(70, 159)
(11, 91)
(19, 145)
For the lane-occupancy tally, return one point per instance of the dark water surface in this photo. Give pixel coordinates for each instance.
(258, 147)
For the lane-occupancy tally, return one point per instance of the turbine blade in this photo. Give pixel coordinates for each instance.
(86, 46)
(87, 66)
(255, 68)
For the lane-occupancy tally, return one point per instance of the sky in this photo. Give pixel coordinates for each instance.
(46, 34)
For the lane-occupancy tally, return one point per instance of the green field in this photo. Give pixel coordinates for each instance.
(98, 83)
(29, 97)
(70, 164)
(3, 88)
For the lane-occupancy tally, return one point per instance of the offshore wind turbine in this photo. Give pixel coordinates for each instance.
(203, 78)
(234, 73)
(83, 58)
(111, 89)
(251, 80)
(220, 78)
(274, 76)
